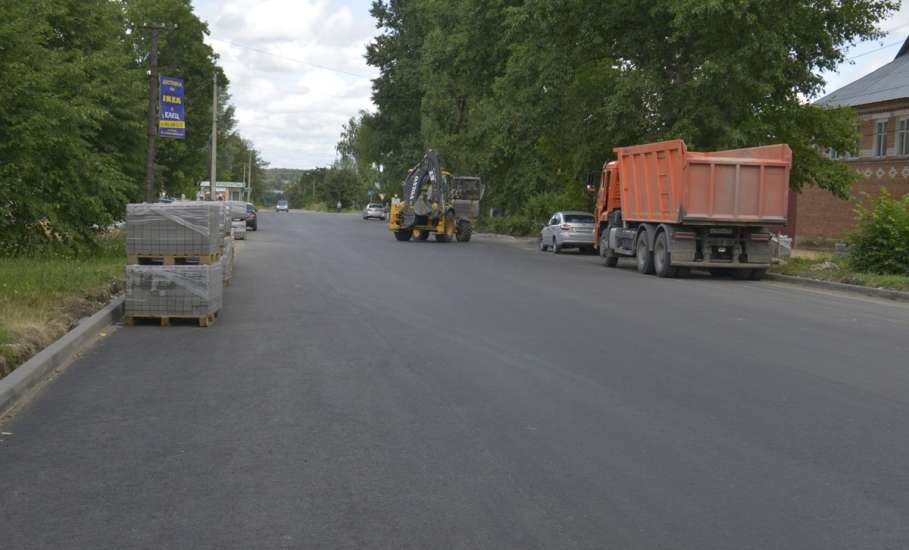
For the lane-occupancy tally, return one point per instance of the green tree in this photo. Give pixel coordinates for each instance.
(69, 112)
(398, 89)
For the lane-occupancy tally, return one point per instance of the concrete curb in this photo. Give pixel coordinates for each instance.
(508, 238)
(35, 370)
(897, 295)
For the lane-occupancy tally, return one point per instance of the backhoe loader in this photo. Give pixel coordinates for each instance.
(435, 202)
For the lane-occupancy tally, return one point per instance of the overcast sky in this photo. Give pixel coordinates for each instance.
(297, 70)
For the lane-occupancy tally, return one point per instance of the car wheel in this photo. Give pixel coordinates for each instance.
(543, 246)
(555, 246)
(644, 256)
(661, 259)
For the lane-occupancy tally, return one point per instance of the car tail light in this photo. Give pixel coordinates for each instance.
(683, 235)
(760, 236)
(565, 227)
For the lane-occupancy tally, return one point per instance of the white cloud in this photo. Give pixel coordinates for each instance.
(296, 71)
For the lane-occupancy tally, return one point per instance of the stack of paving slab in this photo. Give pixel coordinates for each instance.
(175, 260)
(238, 230)
(228, 260)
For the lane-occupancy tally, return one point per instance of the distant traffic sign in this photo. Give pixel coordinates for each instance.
(171, 121)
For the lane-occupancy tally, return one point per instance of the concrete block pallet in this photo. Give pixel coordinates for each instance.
(176, 263)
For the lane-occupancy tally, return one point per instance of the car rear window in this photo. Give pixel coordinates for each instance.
(375, 206)
(577, 218)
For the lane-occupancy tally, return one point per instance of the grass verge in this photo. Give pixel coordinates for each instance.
(825, 267)
(42, 297)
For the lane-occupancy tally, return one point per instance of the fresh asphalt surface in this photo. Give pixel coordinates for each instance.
(359, 392)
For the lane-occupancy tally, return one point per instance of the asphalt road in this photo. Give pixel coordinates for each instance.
(358, 392)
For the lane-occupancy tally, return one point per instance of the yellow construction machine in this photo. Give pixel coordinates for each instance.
(436, 202)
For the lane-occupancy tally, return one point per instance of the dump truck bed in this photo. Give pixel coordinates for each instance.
(665, 183)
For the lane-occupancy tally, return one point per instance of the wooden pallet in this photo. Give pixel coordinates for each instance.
(165, 320)
(206, 259)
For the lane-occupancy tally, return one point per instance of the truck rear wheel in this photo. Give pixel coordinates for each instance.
(403, 234)
(421, 235)
(661, 260)
(463, 231)
(644, 256)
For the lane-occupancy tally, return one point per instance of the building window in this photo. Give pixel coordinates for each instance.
(902, 137)
(880, 138)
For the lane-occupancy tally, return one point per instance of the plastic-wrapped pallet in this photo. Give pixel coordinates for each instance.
(174, 290)
(228, 259)
(174, 229)
(239, 230)
(225, 217)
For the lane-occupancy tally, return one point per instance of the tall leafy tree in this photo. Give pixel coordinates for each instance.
(68, 113)
(398, 90)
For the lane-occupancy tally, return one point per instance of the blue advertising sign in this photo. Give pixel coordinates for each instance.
(171, 121)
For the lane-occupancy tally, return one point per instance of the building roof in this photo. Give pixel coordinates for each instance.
(225, 184)
(887, 83)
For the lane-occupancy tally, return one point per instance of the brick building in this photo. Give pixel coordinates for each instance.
(881, 100)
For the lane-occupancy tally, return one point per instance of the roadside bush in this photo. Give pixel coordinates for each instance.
(880, 242)
(536, 211)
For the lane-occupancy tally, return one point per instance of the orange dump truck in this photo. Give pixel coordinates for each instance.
(673, 209)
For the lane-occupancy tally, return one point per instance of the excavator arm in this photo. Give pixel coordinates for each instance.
(428, 176)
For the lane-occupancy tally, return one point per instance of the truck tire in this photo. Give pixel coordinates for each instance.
(422, 235)
(610, 258)
(661, 259)
(644, 256)
(757, 274)
(403, 234)
(463, 231)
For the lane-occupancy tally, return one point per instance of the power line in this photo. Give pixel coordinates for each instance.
(300, 61)
(884, 47)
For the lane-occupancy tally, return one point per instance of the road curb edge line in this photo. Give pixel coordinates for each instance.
(31, 373)
(844, 287)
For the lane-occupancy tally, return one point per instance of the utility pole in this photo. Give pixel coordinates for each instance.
(152, 116)
(249, 181)
(214, 137)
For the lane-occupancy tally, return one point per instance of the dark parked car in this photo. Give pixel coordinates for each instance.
(252, 221)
